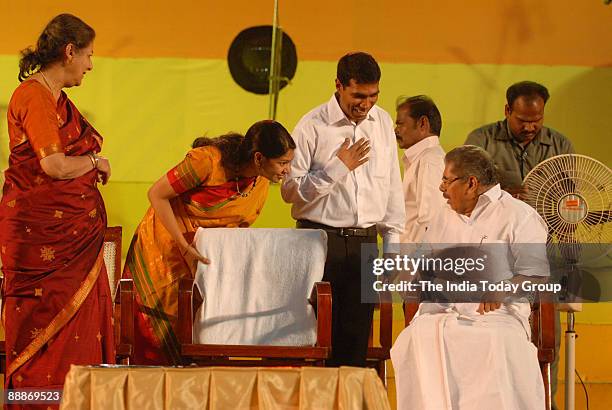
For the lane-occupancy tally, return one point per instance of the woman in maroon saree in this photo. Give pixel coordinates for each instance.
(56, 297)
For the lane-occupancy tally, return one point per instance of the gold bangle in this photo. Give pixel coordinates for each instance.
(94, 159)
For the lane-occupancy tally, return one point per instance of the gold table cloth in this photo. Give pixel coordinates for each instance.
(220, 388)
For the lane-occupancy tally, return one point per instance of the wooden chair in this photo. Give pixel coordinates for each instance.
(120, 292)
(378, 355)
(123, 315)
(542, 320)
(2, 351)
(254, 355)
(112, 260)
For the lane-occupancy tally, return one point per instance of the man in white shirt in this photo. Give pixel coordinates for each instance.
(477, 355)
(345, 179)
(417, 127)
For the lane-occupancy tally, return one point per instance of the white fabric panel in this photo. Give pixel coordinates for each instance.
(256, 287)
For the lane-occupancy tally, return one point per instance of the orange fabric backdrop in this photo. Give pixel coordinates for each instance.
(548, 32)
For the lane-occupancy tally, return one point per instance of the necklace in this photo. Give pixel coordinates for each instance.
(246, 193)
(46, 82)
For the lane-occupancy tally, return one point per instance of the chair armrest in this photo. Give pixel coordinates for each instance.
(126, 303)
(410, 309)
(321, 299)
(386, 320)
(185, 311)
(543, 328)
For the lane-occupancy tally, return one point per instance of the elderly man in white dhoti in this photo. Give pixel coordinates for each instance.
(477, 355)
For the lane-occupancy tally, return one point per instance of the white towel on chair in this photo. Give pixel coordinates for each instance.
(256, 287)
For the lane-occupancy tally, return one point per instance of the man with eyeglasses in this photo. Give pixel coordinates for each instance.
(476, 351)
(521, 141)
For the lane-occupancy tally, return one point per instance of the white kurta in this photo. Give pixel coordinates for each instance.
(450, 356)
(423, 168)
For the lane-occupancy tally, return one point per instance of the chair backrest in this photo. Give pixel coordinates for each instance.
(112, 256)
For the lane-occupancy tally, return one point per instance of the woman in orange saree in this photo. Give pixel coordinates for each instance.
(56, 298)
(222, 182)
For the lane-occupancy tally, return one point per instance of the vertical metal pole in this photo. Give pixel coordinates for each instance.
(570, 363)
(273, 79)
(548, 392)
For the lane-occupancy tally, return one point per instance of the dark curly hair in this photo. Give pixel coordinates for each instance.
(423, 106)
(358, 66)
(64, 29)
(470, 160)
(268, 137)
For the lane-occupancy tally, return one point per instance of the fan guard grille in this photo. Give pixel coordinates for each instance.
(573, 194)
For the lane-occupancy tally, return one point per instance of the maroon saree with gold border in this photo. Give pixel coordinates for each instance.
(56, 297)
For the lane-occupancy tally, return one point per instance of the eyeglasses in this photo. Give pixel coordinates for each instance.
(446, 182)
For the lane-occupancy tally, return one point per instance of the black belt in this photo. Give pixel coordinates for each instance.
(366, 232)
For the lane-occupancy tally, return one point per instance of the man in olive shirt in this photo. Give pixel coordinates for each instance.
(520, 142)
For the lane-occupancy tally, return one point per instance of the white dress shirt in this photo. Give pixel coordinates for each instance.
(323, 190)
(450, 356)
(423, 169)
(511, 233)
(497, 217)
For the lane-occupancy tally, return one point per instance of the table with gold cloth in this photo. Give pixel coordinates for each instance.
(220, 388)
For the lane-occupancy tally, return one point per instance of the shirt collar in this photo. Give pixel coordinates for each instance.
(541, 138)
(335, 113)
(414, 151)
(492, 195)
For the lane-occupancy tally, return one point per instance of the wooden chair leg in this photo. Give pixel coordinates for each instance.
(545, 368)
(381, 369)
(2, 358)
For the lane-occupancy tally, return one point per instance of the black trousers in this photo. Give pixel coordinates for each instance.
(351, 319)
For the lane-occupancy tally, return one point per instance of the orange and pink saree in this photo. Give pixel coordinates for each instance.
(206, 198)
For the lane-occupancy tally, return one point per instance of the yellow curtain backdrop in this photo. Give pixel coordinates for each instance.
(150, 110)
